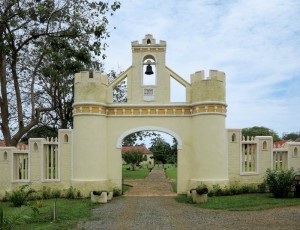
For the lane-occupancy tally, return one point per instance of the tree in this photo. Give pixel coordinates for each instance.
(173, 156)
(38, 40)
(40, 132)
(161, 150)
(133, 157)
(260, 131)
(120, 90)
(132, 138)
(291, 136)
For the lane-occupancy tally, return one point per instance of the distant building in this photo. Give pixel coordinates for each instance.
(142, 149)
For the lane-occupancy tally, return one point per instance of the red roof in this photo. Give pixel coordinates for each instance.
(141, 149)
(278, 144)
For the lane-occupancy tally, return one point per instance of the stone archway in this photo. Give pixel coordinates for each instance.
(149, 128)
(156, 183)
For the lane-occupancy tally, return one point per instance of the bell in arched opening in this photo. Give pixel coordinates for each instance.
(149, 70)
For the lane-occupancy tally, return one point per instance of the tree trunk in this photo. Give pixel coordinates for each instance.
(3, 99)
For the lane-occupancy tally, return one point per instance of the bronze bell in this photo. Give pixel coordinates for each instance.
(149, 70)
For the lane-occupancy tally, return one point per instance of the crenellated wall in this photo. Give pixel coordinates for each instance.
(210, 88)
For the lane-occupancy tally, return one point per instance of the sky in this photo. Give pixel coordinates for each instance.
(256, 43)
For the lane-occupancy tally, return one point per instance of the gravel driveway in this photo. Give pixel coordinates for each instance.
(143, 211)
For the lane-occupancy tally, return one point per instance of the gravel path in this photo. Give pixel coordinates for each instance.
(136, 212)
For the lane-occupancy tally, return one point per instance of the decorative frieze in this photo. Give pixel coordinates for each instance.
(159, 110)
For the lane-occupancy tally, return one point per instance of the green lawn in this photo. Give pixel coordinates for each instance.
(171, 173)
(69, 213)
(139, 173)
(244, 202)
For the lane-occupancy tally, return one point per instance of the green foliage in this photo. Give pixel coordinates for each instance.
(18, 217)
(131, 139)
(133, 157)
(46, 192)
(280, 182)
(56, 193)
(232, 189)
(161, 150)
(260, 131)
(117, 192)
(72, 193)
(1, 218)
(43, 43)
(262, 187)
(20, 196)
(70, 212)
(40, 132)
(291, 136)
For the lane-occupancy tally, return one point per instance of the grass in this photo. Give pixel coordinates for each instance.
(244, 202)
(140, 173)
(69, 213)
(171, 173)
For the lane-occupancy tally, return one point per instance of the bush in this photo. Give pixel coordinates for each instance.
(20, 196)
(280, 182)
(56, 193)
(262, 187)
(46, 192)
(117, 192)
(232, 189)
(72, 193)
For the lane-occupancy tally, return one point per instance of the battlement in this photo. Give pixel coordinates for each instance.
(87, 76)
(211, 88)
(90, 86)
(148, 41)
(214, 75)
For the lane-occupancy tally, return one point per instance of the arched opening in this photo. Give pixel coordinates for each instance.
(5, 156)
(35, 146)
(149, 71)
(295, 152)
(233, 138)
(265, 145)
(66, 138)
(148, 151)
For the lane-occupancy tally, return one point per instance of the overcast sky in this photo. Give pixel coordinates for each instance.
(255, 42)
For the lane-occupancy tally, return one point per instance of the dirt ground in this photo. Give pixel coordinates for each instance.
(150, 204)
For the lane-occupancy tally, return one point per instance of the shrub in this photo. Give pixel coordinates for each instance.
(232, 189)
(262, 187)
(46, 192)
(20, 196)
(72, 193)
(117, 192)
(280, 182)
(56, 193)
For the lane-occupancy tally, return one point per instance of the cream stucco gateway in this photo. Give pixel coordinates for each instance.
(100, 124)
(89, 156)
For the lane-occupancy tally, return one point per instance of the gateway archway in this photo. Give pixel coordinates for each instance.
(197, 123)
(149, 128)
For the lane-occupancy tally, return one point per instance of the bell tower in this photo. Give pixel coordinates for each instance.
(149, 78)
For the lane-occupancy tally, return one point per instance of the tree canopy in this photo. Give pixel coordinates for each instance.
(42, 43)
(260, 131)
(291, 136)
(133, 157)
(162, 151)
